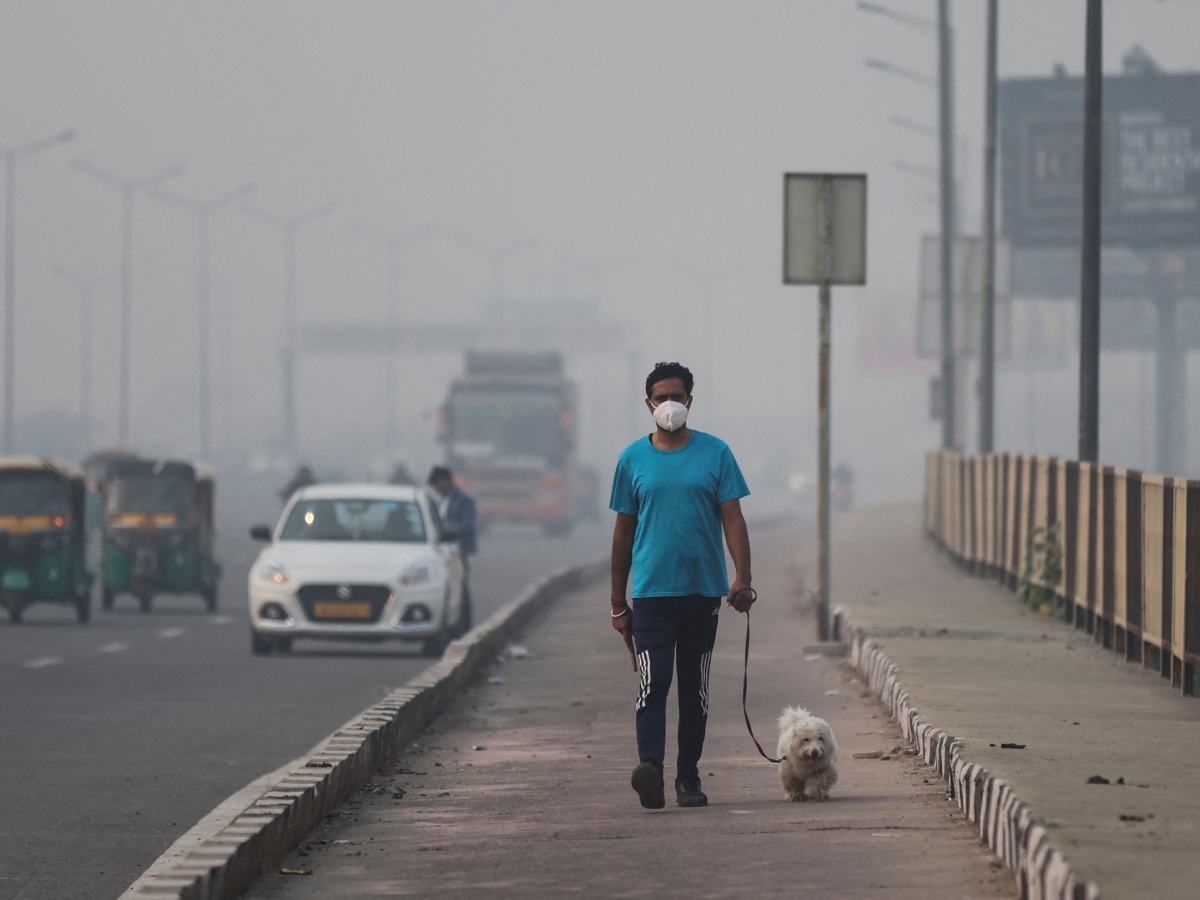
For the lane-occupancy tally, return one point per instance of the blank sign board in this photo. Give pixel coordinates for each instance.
(846, 207)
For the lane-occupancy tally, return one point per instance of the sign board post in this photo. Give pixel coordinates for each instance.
(824, 243)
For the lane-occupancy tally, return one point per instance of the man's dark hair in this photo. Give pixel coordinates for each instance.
(664, 370)
(439, 473)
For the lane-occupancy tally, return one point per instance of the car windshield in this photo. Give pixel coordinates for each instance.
(149, 494)
(32, 494)
(355, 520)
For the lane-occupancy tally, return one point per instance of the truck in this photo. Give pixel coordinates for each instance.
(508, 432)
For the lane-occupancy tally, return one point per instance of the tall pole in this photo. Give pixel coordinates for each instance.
(204, 211)
(10, 285)
(987, 350)
(1089, 279)
(946, 179)
(128, 190)
(288, 354)
(11, 155)
(1171, 379)
(87, 291)
(393, 290)
(202, 321)
(86, 296)
(123, 384)
(823, 408)
(290, 431)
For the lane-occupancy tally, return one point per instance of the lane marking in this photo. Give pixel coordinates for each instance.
(114, 647)
(43, 661)
(220, 620)
(168, 633)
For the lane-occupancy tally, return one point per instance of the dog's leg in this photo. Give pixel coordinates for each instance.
(793, 785)
(817, 787)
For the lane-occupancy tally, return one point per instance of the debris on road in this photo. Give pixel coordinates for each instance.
(1012, 746)
(516, 651)
(1098, 779)
(495, 679)
(869, 754)
(479, 747)
(295, 871)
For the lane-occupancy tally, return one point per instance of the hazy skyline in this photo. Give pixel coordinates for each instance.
(654, 134)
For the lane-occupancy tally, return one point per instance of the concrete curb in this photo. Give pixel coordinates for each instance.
(1005, 822)
(255, 841)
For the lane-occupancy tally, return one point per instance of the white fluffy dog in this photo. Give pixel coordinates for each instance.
(810, 767)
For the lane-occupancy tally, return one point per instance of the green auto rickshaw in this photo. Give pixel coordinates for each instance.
(158, 531)
(43, 536)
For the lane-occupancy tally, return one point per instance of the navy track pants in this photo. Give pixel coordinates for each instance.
(674, 632)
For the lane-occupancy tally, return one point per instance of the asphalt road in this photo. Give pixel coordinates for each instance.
(117, 736)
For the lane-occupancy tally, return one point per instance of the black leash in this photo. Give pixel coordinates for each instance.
(746, 688)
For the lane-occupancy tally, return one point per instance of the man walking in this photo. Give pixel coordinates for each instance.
(456, 509)
(674, 492)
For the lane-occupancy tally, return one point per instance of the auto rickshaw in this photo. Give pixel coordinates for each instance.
(43, 536)
(158, 531)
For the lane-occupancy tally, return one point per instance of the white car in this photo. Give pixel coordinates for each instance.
(366, 562)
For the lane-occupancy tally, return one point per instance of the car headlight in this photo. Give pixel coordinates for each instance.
(417, 573)
(273, 573)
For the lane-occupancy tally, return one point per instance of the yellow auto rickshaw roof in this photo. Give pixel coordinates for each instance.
(123, 466)
(59, 467)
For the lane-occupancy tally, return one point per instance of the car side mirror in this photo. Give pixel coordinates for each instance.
(261, 533)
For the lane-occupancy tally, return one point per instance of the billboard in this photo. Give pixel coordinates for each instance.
(1151, 160)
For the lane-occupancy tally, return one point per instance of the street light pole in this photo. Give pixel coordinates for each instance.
(1089, 278)
(393, 244)
(87, 291)
(289, 226)
(11, 155)
(204, 211)
(128, 189)
(946, 196)
(987, 350)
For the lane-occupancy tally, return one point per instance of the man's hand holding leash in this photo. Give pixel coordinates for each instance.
(622, 620)
(741, 596)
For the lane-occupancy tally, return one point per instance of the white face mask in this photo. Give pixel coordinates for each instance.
(670, 415)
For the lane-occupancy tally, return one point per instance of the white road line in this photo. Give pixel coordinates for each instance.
(114, 647)
(42, 662)
(169, 633)
(220, 620)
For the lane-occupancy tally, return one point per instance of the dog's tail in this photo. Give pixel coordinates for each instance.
(792, 715)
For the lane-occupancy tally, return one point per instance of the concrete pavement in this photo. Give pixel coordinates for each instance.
(979, 665)
(544, 805)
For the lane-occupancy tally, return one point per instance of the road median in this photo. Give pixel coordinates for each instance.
(255, 838)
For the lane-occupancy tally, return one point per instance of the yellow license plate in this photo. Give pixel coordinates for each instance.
(329, 609)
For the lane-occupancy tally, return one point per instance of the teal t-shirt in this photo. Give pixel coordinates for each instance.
(675, 494)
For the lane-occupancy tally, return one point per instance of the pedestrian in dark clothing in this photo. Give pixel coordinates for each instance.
(674, 493)
(456, 509)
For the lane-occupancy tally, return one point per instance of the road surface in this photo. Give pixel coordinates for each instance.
(119, 735)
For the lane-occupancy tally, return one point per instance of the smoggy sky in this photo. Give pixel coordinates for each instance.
(634, 149)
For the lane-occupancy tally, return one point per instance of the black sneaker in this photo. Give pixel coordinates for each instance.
(688, 793)
(647, 780)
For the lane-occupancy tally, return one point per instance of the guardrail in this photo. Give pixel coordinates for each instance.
(1116, 551)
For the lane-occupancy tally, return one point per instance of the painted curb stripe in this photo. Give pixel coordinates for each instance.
(1005, 822)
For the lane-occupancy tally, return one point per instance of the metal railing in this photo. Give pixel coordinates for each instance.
(1115, 551)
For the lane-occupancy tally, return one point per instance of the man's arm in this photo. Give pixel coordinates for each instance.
(622, 562)
(738, 539)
